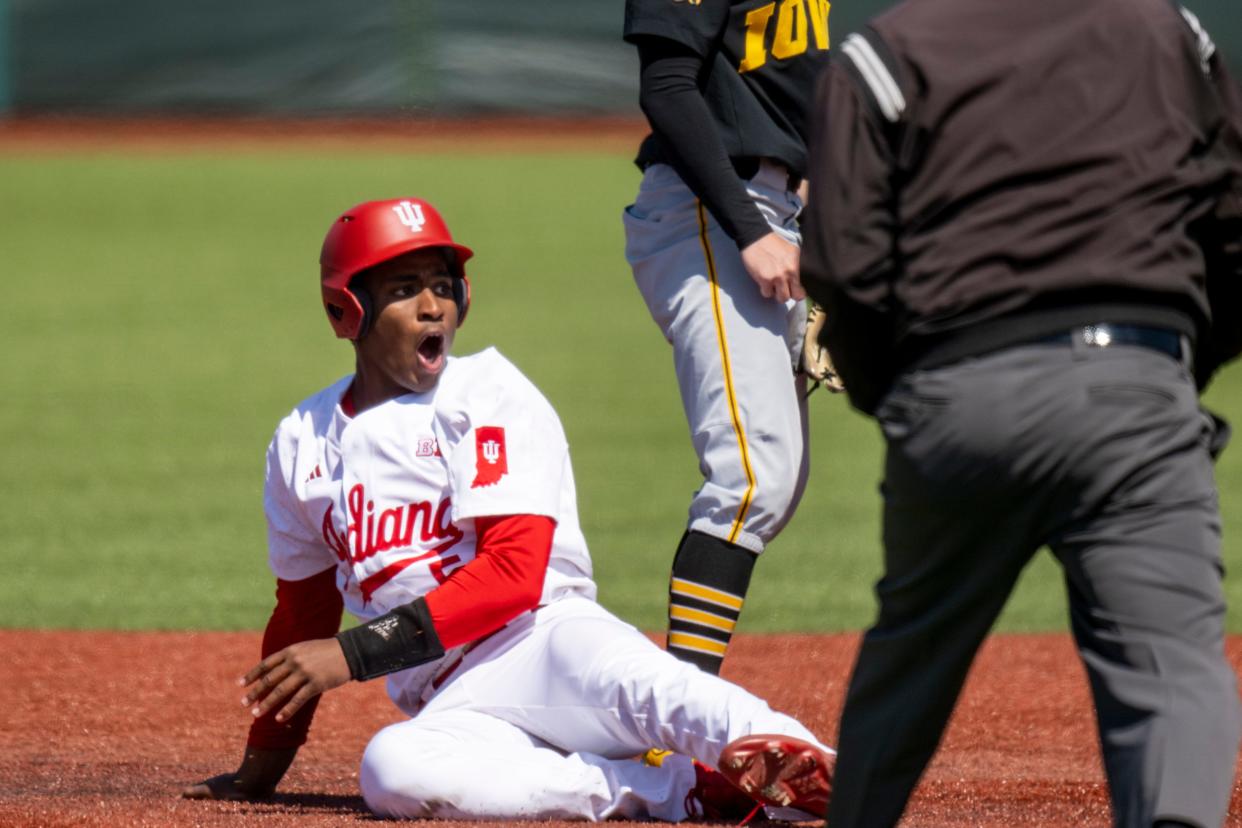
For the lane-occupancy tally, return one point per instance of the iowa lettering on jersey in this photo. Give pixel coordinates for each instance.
(796, 22)
(365, 535)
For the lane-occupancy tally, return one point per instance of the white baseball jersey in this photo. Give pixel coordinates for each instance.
(388, 496)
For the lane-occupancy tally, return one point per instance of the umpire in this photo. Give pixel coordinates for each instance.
(1026, 227)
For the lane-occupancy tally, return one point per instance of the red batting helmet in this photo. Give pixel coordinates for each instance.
(374, 232)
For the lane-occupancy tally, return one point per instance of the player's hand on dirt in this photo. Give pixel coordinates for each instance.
(773, 263)
(286, 680)
(261, 770)
(225, 786)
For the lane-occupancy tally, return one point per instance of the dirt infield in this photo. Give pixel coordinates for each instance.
(157, 135)
(103, 729)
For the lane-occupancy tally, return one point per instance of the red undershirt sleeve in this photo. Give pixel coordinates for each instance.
(504, 580)
(307, 609)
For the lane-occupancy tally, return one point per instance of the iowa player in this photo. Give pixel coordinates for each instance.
(713, 242)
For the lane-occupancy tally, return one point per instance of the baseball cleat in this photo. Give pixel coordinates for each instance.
(715, 798)
(780, 771)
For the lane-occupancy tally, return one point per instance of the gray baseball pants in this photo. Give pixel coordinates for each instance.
(734, 352)
(1100, 454)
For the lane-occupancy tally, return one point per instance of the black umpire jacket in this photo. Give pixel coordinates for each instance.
(988, 172)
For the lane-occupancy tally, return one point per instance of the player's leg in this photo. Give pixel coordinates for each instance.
(465, 764)
(1143, 570)
(707, 588)
(575, 678)
(732, 354)
(632, 693)
(735, 353)
(583, 680)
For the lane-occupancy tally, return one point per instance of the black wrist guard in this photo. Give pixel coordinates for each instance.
(403, 638)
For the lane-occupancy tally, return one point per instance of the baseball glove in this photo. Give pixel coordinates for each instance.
(816, 363)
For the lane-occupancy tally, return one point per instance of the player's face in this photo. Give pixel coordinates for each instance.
(407, 346)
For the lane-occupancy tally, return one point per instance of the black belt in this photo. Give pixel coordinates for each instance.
(1106, 334)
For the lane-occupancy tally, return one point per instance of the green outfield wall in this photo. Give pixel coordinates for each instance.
(309, 57)
(6, 51)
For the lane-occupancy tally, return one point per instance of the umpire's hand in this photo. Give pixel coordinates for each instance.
(773, 263)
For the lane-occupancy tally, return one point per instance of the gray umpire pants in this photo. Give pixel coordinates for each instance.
(1100, 454)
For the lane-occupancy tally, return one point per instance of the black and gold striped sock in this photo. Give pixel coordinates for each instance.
(705, 596)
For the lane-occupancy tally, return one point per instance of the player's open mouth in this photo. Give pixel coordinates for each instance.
(431, 352)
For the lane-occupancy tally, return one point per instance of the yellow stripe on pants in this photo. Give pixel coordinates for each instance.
(721, 339)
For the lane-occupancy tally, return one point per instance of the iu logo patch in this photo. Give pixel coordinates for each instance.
(490, 460)
(411, 215)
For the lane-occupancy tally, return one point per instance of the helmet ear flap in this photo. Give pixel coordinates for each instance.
(368, 308)
(461, 295)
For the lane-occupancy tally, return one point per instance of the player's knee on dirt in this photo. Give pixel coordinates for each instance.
(403, 777)
(706, 592)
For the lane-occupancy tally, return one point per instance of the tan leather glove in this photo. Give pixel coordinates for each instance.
(816, 364)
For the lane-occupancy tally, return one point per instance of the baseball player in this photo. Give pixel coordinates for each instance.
(433, 498)
(712, 238)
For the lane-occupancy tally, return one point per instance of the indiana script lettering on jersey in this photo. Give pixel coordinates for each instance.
(365, 535)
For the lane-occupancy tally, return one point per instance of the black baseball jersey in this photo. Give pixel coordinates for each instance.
(761, 58)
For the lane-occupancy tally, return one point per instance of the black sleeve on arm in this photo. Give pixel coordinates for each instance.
(848, 258)
(405, 637)
(1219, 234)
(670, 98)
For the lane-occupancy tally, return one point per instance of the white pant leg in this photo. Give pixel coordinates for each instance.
(584, 681)
(541, 720)
(463, 764)
(733, 351)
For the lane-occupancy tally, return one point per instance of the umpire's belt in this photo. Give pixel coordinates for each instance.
(1106, 334)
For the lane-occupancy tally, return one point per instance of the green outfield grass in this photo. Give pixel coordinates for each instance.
(162, 313)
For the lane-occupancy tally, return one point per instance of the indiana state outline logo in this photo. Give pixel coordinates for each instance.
(490, 463)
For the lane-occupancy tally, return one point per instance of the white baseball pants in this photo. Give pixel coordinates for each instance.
(542, 720)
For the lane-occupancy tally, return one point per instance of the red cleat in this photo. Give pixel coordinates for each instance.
(715, 798)
(781, 771)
